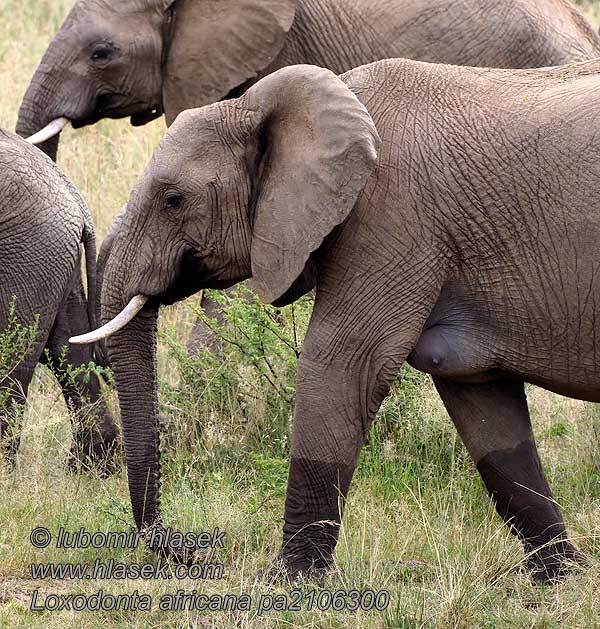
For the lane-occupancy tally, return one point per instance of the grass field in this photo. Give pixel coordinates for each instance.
(418, 522)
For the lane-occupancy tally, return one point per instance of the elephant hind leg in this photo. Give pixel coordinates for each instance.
(94, 430)
(492, 419)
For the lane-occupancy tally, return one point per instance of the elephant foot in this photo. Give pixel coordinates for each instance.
(553, 561)
(282, 571)
(161, 543)
(307, 552)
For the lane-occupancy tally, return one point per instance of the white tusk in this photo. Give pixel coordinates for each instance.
(120, 321)
(49, 131)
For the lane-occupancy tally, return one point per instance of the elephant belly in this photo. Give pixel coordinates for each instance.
(459, 343)
(453, 352)
(456, 342)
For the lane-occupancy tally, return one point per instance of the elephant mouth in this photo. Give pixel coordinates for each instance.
(193, 274)
(141, 118)
(113, 106)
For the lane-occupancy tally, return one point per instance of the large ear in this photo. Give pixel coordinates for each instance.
(319, 146)
(216, 45)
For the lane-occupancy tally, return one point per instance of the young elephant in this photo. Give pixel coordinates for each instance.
(464, 241)
(43, 221)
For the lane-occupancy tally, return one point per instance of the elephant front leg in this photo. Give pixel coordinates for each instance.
(326, 442)
(359, 335)
(493, 421)
(334, 409)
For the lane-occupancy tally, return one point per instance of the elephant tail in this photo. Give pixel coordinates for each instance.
(91, 270)
(89, 246)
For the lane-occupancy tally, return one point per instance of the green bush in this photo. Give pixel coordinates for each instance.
(244, 394)
(16, 341)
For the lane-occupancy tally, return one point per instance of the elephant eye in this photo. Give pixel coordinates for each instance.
(102, 52)
(173, 200)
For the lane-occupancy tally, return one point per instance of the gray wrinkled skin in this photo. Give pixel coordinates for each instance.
(160, 55)
(454, 226)
(43, 222)
(119, 58)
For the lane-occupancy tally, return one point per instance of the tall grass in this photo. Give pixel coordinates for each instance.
(418, 522)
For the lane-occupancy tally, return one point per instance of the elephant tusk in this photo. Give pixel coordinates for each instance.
(114, 325)
(49, 131)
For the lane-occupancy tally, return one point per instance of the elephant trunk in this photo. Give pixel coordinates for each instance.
(132, 353)
(35, 111)
(131, 343)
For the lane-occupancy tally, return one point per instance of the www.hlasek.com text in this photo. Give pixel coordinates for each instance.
(117, 570)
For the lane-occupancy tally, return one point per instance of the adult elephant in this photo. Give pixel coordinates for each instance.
(43, 221)
(140, 58)
(467, 248)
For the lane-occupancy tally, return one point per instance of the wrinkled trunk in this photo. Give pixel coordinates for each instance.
(36, 112)
(101, 264)
(132, 353)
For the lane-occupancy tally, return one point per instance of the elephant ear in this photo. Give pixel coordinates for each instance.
(216, 45)
(317, 146)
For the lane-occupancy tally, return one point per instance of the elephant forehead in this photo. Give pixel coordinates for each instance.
(90, 19)
(192, 140)
(206, 121)
(119, 7)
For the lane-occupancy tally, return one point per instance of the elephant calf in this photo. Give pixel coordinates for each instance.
(43, 221)
(447, 216)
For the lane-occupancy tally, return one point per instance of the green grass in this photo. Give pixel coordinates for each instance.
(418, 522)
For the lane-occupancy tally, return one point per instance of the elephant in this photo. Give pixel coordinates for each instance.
(140, 58)
(43, 222)
(143, 58)
(445, 216)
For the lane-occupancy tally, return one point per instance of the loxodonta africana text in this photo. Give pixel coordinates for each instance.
(140, 58)
(43, 221)
(447, 217)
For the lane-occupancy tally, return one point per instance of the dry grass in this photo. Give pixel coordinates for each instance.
(418, 522)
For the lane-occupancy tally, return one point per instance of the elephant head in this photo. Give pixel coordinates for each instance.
(140, 58)
(246, 187)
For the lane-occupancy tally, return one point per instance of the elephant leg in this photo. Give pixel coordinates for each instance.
(329, 432)
(17, 371)
(493, 421)
(349, 360)
(327, 439)
(95, 433)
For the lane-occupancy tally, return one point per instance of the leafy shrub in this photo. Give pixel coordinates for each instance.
(245, 393)
(243, 397)
(16, 341)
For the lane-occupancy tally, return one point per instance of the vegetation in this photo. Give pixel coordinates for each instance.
(418, 521)
(16, 342)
